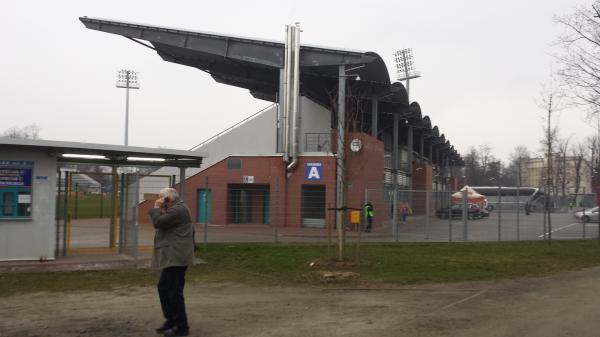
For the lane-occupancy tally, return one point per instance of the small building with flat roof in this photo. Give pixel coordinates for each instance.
(30, 228)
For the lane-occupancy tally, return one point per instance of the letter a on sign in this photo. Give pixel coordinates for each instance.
(314, 171)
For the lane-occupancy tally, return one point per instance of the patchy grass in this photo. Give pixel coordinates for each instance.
(88, 206)
(379, 264)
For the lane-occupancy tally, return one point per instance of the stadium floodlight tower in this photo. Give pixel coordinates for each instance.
(405, 67)
(127, 79)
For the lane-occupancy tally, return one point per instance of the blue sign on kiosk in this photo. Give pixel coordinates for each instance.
(15, 173)
(15, 188)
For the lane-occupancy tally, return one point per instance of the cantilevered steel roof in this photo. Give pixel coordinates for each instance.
(114, 154)
(245, 62)
(255, 64)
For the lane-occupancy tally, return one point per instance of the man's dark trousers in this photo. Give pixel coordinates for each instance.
(170, 291)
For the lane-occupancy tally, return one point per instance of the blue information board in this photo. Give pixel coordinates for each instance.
(15, 189)
(15, 173)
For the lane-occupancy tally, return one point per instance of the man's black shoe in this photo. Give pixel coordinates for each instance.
(177, 332)
(168, 325)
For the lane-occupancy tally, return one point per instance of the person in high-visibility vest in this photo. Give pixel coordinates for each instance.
(369, 213)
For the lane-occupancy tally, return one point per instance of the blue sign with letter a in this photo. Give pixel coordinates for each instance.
(313, 171)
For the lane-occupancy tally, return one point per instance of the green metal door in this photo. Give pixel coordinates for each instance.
(203, 206)
(266, 207)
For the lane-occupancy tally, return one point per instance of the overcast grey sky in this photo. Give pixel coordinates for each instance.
(482, 64)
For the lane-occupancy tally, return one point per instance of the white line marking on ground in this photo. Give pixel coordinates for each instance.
(558, 229)
(458, 302)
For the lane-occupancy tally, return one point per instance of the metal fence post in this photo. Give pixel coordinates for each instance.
(76, 199)
(518, 211)
(465, 214)
(205, 211)
(272, 216)
(427, 212)
(101, 202)
(395, 213)
(122, 214)
(499, 213)
(57, 215)
(449, 216)
(66, 211)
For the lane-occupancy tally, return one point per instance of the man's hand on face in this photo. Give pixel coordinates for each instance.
(159, 202)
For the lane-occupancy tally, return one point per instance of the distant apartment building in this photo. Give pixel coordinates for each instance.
(533, 173)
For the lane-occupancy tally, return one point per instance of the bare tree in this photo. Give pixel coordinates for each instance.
(513, 175)
(561, 170)
(551, 103)
(31, 131)
(485, 155)
(580, 57)
(578, 153)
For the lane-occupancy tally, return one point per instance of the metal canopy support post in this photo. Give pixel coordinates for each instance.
(374, 112)
(422, 148)
(114, 210)
(181, 183)
(432, 163)
(65, 213)
(57, 222)
(439, 167)
(340, 158)
(409, 168)
(447, 173)
(395, 161)
(122, 204)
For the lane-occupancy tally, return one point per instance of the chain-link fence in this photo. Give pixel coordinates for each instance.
(278, 211)
(424, 215)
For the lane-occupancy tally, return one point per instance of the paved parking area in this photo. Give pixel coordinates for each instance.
(94, 233)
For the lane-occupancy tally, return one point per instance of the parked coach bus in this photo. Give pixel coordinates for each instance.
(512, 197)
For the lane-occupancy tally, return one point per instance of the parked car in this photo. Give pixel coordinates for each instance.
(473, 212)
(587, 215)
(485, 212)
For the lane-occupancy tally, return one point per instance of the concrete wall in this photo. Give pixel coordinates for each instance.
(34, 238)
(257, 136)
(313, 119)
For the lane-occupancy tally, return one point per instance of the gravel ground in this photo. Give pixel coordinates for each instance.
(558, 305)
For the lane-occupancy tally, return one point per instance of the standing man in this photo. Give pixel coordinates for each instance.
(369, 213)
(173, 253)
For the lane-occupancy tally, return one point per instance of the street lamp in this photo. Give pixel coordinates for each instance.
(127, 79)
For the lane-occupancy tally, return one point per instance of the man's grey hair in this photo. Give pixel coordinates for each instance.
(170, 193)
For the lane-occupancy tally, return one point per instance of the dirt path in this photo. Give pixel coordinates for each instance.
(559, 305)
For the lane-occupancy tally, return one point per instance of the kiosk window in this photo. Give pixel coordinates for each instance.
(15, 189)
(7, 203)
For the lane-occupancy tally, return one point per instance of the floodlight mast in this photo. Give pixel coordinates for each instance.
(127, 79)
(405, 67)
